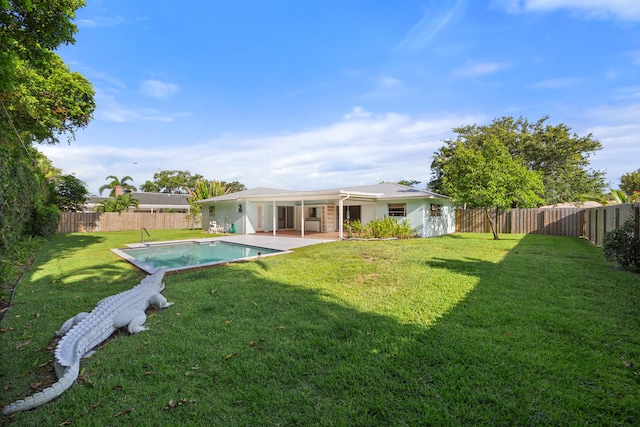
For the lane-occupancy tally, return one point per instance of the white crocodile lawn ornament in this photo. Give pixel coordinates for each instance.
(82, 333)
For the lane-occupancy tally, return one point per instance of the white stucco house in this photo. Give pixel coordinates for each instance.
(267, 210)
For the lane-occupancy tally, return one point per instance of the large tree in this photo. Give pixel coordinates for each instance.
(40, 100)
(70, 193)
(233, 186)
(31, 30)
(561, 157)
(487, 176)
(630, 182)
(171, 181)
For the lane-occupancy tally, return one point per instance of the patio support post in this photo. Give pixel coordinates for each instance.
(274, 218)
(340, 204)
(341, 215)
(302, 218)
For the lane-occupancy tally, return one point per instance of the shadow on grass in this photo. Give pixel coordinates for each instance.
(531, 344)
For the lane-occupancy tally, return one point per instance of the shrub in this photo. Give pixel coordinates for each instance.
(623, 247)
(44, 221)
(384, 228)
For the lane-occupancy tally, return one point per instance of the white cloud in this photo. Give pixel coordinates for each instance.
(474, 69)
(432, 22)
(110, 109)
(373, 148)
(357, 113)
(100, 21)
(158, 89)
(617, 129)
(625, 10)
(389, 82)
(362, 148)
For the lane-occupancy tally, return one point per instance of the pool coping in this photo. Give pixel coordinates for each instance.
(282, 244)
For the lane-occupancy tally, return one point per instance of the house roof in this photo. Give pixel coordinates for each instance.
(164, 199)
(251, 193)
(396, 191)
(384, 191)
(159, 200)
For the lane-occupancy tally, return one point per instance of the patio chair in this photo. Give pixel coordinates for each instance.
(215, 228)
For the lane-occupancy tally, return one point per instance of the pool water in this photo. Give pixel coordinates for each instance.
(178, 256)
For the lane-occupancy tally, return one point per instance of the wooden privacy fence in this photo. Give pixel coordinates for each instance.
(549, 221)
(600, 221)
(72, 222)
(591, 223)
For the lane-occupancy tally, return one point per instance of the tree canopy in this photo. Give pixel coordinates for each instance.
(630, 182)
(560, 157)
(40, 100)
(183, 182)
(488, 177)
(171, 181)
(46, 103)
(31, 29)
(71, 193)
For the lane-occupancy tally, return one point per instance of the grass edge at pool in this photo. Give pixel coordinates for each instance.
(150, 268)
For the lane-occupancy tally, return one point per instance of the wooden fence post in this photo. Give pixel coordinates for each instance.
(636, 215)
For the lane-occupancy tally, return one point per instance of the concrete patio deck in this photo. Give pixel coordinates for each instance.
(270, 241)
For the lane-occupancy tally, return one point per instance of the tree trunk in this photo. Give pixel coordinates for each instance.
(493, 222)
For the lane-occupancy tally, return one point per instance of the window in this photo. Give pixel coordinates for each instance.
(239, 208)
(212, 210)
(397, 209)
(313, 212)
(436, 210)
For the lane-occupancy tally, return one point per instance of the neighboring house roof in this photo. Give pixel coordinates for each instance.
(162, 199)
(376, 191)
(150, 200)
(573, 205)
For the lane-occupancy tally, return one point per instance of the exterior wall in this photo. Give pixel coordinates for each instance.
(418, 214)
(438, 225)
(226, 214)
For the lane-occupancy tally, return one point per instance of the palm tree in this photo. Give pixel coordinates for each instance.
(122, 203)
(115, 182)
(619, 197)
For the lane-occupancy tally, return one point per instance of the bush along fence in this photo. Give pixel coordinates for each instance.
(590, 223)
(73, 222)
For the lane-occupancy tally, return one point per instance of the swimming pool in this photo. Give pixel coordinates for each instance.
(183, 255)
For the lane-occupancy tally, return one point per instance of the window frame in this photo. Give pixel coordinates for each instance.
(397, 210)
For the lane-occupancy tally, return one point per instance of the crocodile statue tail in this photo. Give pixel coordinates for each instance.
(84, 332)
(46, 395)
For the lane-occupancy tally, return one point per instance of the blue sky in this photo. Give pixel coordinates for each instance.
(324, 93)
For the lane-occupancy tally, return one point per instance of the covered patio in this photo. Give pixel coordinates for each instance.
(325, 213)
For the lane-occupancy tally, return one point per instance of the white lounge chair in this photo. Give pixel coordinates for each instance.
(215, 228)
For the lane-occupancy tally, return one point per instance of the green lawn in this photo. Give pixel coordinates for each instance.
(460, 329)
